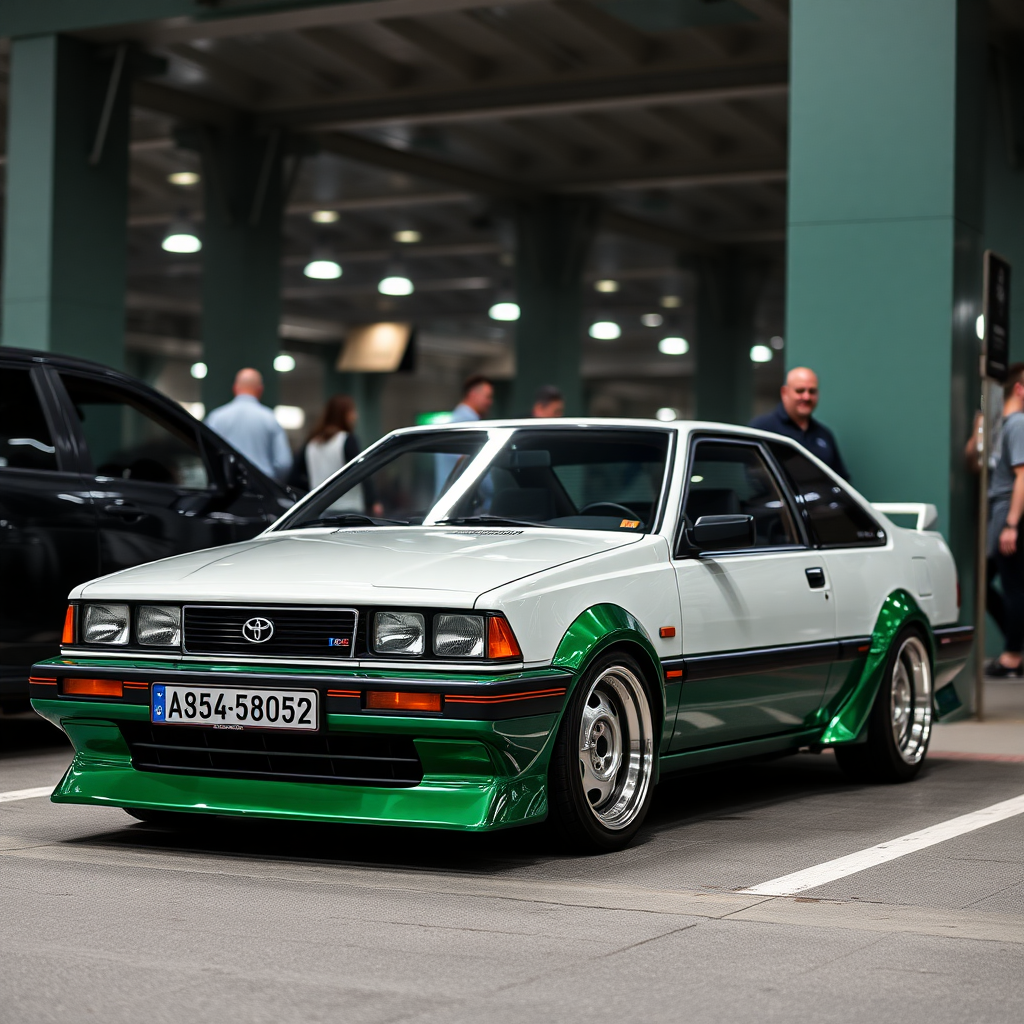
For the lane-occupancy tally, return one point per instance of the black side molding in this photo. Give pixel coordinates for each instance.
(767, 659)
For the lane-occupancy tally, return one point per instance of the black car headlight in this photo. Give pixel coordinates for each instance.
(105, 624)
(399, 633)
(459, 636)
(158, 625)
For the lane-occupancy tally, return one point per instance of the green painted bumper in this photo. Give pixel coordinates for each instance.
(478, 774)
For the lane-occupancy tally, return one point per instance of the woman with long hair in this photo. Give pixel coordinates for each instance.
(331, 444)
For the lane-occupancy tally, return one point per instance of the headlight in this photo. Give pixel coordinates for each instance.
(159, 625)
(459, 636)
(105, 624)
(398, 633)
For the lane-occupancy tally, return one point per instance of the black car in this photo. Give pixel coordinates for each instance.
(99, 472)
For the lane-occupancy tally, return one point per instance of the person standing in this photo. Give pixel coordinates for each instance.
(477, 399)
(1005, 547)
(793, 418)
(250, 427)
(549, 403)
(331, 444)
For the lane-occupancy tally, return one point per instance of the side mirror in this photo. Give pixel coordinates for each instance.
(718, 533)
(233, 472)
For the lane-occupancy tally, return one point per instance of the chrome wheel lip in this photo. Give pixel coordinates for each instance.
(910, 700)
(617, 711)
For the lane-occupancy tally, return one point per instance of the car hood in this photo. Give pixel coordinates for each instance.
(378, 565)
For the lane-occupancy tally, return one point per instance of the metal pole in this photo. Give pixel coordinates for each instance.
(982, 554)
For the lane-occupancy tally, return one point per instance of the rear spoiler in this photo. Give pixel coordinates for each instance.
(927, 515)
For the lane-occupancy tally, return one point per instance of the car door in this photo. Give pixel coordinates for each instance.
(758, 622)
(158, 488)
(854, 547)
(47, 527)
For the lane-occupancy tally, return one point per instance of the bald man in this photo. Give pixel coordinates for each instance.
(793, 418)
(250, 427)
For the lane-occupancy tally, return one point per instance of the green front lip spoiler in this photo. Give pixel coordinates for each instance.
(478, 773)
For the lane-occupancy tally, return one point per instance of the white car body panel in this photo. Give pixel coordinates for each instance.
(544, 578)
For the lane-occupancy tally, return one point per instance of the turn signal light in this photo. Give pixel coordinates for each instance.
(68, 636)
(501, 641)
(94, 687)
(391, 700)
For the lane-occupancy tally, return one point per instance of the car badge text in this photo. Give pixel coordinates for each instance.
(257, 630)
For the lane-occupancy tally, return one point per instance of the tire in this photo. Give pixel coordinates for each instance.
(900, 723)
(600, 781)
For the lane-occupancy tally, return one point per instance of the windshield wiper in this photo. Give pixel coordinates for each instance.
(488, 520)
(348, 519)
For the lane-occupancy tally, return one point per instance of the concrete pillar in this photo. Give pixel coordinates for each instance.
(553, 237)
(66, 207)
(728, 288)
(885, 245)
(244, 201)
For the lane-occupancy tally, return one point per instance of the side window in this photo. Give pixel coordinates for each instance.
(833, 515)
(127, 438)
(25, 440)
(734, 479)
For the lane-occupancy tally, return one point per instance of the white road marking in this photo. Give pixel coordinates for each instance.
(821, 874)
(25, 794)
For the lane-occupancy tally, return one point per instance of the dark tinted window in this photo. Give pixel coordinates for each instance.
(127, 438)
(833, 515)
(734, 479)
(25, 441)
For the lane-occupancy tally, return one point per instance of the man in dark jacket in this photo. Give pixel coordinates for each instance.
(792, 418)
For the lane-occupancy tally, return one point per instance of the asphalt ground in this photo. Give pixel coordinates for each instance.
(106, 919)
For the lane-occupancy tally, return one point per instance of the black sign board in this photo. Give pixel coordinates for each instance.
(997, 316)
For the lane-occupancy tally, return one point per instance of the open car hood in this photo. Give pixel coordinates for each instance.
(377, 565)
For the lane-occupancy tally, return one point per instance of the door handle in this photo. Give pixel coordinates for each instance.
(815, 578)
(124, 511)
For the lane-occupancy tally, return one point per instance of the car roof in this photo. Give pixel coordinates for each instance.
(30, 355)
(569, 422)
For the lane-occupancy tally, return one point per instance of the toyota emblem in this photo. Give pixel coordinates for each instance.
(257, 630)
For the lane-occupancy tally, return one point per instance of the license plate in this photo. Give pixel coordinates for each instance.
(234, 708)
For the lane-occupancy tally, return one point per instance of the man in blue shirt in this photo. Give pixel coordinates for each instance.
(792, 418)
(251, 427)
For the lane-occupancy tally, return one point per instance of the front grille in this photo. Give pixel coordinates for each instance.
(297, 632)
(279, 756)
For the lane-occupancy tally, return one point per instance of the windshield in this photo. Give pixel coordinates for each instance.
(571, 477)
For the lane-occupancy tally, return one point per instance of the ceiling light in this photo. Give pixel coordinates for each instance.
(504, 311)
(324, 216)
(777, 342)
(606, 286)
(667, 413)
(670, 301)
(605, 330)
(673, 346)
(760, 354)
(184, 178)
(396, 285)
(322, 270)
(407, 236)
(199, 370)
(290, 417)
(979, 327)
(284, 363)
(652, 319)
(181, 237)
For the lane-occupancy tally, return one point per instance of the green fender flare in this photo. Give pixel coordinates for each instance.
(898, 610)
(600, 627)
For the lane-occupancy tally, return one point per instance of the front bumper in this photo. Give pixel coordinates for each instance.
(484, 757)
